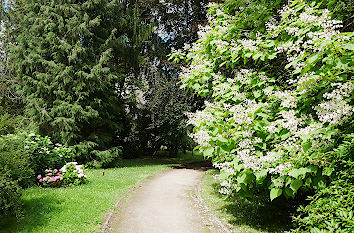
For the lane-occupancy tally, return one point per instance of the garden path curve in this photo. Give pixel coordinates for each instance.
(169, 203)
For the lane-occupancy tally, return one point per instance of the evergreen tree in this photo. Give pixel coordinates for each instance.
(71, 58)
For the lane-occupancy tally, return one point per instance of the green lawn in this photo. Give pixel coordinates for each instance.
(82, 208)
(245, 216)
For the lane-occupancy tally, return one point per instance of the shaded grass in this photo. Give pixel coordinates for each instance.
(82, 208)
(241, 215)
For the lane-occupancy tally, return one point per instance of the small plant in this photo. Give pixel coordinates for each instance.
(70, 174)
(52, 178)
(73, 174)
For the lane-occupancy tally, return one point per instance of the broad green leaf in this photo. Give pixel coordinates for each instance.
(295, 185)
(221, 139)
(319, 182)
(260, 176)
(314, 58)
(289, 192)
(246, 178)
(306, 146)
(224, 175)
(274, 193)
(297, 172)
(312, 168)
(208, 152)
(257, 94)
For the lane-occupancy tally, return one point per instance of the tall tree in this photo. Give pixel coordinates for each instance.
(71, 58)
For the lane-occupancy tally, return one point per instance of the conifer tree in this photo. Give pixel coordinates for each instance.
(71, 57)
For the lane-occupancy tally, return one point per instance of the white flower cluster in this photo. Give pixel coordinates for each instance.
(287, 98)
(201, 137)
(336, 109)
(251, 109)
(280, 169)
(78, 170)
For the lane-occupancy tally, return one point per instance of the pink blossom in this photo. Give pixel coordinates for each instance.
(60, 170)
(49, 174)
(52, 179)
(47, 170)
(39, 176)
(60, 178)
(40, 180)
(45, 178)
(55, 170)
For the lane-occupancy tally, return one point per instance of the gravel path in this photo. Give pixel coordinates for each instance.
(167, 204)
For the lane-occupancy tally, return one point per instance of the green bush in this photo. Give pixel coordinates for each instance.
(331, 209)
(24, 155)
(43, 154)
(15, 160)
(106, 158)
(10, 196)
(70, 174)
(279, 95)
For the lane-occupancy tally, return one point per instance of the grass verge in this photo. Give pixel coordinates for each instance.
(241, 215)
(82, 208)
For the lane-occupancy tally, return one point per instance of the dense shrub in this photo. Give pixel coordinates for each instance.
(331, 209)
(23, 155)
(106, 158)
(43, 153)
(10, 196)
(15, 160)
(70, 174)
(281, 96)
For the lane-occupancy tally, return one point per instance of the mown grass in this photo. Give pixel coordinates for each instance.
(82, 208)
(246, 216)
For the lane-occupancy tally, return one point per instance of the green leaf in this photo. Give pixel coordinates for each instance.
(285, 136)
(289, 192)
(260, 176)
(319, 182)
(327, 171)
(270, 88)
(246, 178)
(349, 46)
(314, 58)
(257, 55)
(224, 175)
(208, 152)
(296, 184)
(306, 146)
(274, 193)
(297, 172)
(257, 94)
(312, 168)
(221, 139)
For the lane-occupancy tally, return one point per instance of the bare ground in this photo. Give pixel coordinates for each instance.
(169, 203)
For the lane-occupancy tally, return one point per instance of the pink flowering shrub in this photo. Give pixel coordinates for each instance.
(69, 174)
(52, 178)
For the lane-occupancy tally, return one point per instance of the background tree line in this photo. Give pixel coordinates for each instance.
(78, 71)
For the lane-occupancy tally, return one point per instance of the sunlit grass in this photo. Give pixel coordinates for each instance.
(242, 215)
(82, 208)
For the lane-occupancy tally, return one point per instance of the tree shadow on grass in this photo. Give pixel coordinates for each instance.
(35, 214)
(258, 213)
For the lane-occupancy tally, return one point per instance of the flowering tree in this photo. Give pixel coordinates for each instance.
(281, 98)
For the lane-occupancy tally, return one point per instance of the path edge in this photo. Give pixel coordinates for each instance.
(210, 214)
(125, 195)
